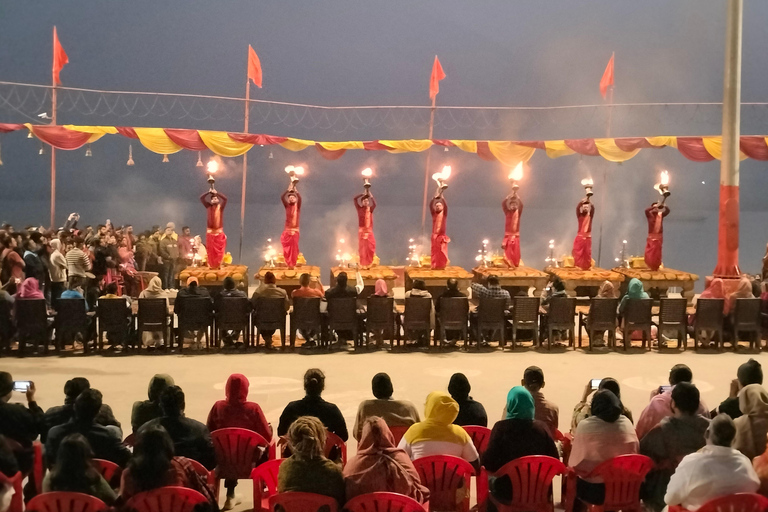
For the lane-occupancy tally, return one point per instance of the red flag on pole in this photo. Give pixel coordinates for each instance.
(434, 81)
(254, 67)
(59, 58)
(607, 80)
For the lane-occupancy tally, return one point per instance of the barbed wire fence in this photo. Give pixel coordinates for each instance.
(21, 102)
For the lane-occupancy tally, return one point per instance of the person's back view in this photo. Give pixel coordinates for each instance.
(190, 438)
(715, 470)
(379, 466)
(73, 471)
(307, 469)
(395, 413)
(237, 412)
(752, 426)
(146, 410)
(471, 412)
(437, 435)
(313, 405)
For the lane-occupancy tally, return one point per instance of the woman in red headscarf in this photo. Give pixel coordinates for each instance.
(379, 466)
(237, 412)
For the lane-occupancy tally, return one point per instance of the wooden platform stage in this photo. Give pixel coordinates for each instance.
(370, 276)
(585, 283)
(436, 280)
(213, 279)
(514, 280)
(286, 278)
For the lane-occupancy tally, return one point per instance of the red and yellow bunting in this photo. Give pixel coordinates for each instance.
(166, 141)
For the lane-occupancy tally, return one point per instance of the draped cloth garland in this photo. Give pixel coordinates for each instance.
(167, 141)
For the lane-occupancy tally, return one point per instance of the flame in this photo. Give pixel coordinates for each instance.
(446, 172)
(664, 178)
(346, 256)
(298, 170)
(213, 166)
(289, 169)
(517, 173)
(437, 177)
(587, 182)
(367, 172)
(341, 240)
(485, 242)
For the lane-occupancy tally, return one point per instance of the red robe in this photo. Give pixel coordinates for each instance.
(215, 239)
(511, 242)
(439, 239)
(366, 242)
(582, 245)
(655, 239)
(290, 237)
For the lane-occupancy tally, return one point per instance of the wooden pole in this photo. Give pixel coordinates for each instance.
(426, 170)
(245, 169)
(603, 193)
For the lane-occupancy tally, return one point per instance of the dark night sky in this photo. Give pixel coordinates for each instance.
(496, 53)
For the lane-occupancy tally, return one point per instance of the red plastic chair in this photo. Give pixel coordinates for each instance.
(333, 441)
(264, 478)
(166, 499)
(623, 476)
(398, 433)
(443, 475)
(17, 501)
(38, 468)
(301, 502)
(480, 437)
(210, 476)
(65, 502)
(109, 470)
(740, 502)
(531, 479)
(237, 452)
(383, 502)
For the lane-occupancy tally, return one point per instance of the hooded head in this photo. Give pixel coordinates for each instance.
(157, 385)
(519, 404)
(716, 289)
(381, 288)
(237, 388)
(56, 244)
(635, 289)
(459, 387)
(606, 406)
(376, 437)
(606, 290)
(30, 289)
(440, 408)
(439, 413)
(753, 400)
(744, 290)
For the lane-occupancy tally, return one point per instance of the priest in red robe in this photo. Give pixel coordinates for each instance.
(366, 242)
(215, 239)
(655, 216)
(513, 209)
(439, 209)
(290, 237)
(582, 245)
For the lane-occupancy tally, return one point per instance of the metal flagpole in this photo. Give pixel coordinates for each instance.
(53, 150)
(605, 179)
(245, 168)
(728, 223)
(426, 169)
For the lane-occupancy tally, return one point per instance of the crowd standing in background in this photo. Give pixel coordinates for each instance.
(697, 454)
(80, 258)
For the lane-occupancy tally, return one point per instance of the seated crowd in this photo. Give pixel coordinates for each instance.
(697, 454)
